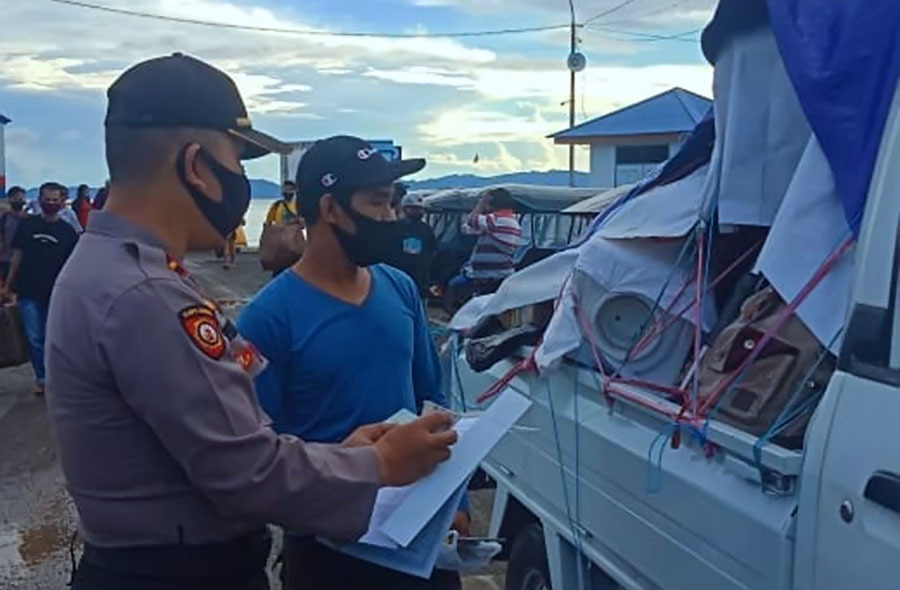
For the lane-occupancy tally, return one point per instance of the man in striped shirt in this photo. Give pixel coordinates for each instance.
(499, 234)
(494, 221)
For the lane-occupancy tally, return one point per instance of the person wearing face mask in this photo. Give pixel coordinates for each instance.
(82, 204)
(41, 245)
(284, 210)
(280, 247)
(172, 465)
(346, 337)
(9, 221)
(417, 242)
(66, 212)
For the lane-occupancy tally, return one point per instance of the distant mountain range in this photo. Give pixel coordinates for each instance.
(548, 178)
(266, 189)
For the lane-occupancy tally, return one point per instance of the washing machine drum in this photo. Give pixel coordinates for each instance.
(620, 319)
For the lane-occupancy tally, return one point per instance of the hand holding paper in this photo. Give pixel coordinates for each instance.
(409, 524)
(367, 435)
(478, 436)
(410, 451)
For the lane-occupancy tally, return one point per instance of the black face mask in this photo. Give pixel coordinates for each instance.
(374, 241)
(17, 205)
(288, 196)
(227, 215)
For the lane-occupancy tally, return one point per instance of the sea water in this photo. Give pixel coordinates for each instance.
(255, 217)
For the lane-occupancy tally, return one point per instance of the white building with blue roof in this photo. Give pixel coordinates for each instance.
(627, 143)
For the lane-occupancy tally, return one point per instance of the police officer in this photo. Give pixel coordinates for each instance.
(167, 456)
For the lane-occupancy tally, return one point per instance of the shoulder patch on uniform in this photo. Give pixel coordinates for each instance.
(202, 327)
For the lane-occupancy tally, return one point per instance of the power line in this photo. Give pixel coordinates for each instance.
(616, 8)
(655, 36)
(652, 39)
(307, 32)
(654, 12)
(641, 36)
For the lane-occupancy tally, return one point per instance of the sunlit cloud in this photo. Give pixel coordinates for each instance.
(32, 72)
(447, 98)
(469, 124)
(585, 9)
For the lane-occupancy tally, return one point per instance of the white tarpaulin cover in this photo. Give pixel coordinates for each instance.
(637, 266)
(471, 313)
(809, 226)
(761, 130)
(599, 202)
(668, 211)
(541, 281)
(563, 334)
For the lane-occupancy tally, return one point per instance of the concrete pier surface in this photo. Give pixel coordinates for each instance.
(37, 520)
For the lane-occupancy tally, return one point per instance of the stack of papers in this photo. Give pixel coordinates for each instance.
(408, 524)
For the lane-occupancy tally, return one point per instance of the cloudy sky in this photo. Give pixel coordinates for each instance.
(444, 99)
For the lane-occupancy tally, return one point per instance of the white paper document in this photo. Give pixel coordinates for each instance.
(478, 437)
(389, 499)
(408, 524)
(419, 558)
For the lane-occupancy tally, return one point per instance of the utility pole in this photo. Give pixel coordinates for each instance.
(3, 122)
(572, 49)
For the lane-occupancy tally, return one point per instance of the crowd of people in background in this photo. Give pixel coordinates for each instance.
(36, 239)
(37, 236)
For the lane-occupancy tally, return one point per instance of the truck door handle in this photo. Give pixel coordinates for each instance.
(884, 488)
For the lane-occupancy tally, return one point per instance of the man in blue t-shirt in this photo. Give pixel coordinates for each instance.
(346, 337)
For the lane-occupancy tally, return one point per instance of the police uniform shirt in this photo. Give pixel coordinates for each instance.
(151, 402)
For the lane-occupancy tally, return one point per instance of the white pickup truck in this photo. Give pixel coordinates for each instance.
(590, 496)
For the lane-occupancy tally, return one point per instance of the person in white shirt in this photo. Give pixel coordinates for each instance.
(66, 213)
